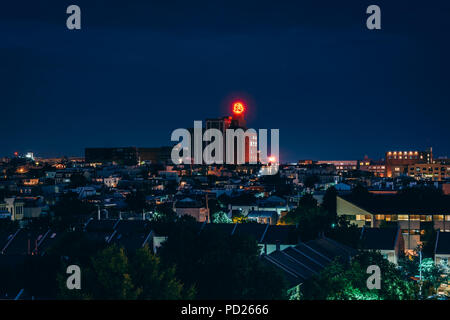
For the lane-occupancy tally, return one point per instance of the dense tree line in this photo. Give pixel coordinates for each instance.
(113, 273)
(342, 280)
(206, 265)
(220, 266)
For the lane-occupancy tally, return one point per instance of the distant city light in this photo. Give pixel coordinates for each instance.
(21, 170)
(272, 159)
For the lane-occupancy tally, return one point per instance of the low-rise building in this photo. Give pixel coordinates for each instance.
(341, 166)
(387, 208)
(303, 261)
(388, 241)
(263, 216)
(378, 168)
(14, 206)
(429, 171)
(397, 162)
(193, 208)
(442, 250)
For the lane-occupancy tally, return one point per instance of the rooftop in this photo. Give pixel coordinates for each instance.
(401, 204)
(379, 238)
(442, 243)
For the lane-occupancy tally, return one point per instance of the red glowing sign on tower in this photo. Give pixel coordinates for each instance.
(238, 107)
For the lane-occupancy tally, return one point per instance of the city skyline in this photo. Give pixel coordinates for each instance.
(369, 155)
(224, 158)
(131, 76)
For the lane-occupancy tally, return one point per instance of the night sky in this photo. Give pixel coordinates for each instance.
(137, 70)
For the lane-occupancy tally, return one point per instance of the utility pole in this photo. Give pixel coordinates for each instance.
(207, 209)
(420, 273)
(409, 232)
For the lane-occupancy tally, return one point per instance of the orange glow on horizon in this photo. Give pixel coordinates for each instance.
(238, 107)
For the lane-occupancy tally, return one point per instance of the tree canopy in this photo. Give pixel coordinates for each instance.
(348, 281)
(69, 208)
(221, 217)
(114, 274)
(221, 266)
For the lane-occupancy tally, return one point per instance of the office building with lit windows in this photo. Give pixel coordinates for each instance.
(376, 167)
(397, 162)
(383, 210)
(429, 171)
(341, 166)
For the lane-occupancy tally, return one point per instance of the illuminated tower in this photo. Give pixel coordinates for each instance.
(236, 121)
(251, 139)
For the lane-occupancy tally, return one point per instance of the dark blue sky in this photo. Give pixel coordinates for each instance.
(139, 69)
